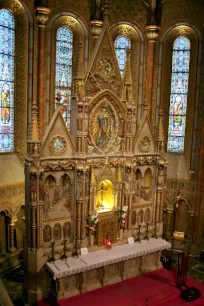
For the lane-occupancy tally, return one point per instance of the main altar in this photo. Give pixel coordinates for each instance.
(102, 180)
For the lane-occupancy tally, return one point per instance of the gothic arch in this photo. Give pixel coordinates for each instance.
(79, 28)
(164, 80)
(110, 96)
(136, 36)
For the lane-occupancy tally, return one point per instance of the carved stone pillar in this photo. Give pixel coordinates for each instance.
(33, 241)
(11, 226)
(159, 194)
(93, 192)
(152, 32)
(42, 16)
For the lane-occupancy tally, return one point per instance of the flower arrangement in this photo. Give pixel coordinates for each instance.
(123, 216)
(91, 223)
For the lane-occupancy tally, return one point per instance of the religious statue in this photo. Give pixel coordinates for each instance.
(129, 121)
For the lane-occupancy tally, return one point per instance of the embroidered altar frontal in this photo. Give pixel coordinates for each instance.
(105, 267)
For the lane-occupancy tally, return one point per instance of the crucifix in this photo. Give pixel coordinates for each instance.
(102, 189)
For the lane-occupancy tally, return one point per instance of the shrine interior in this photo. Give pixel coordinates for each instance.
(101, 139)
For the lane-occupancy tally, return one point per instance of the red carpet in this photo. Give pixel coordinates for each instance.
(158, 286)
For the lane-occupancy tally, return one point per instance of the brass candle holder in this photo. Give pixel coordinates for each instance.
(147, 232)
(64, 256)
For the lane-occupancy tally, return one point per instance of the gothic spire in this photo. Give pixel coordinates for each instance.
(127, 78)
(34, 129)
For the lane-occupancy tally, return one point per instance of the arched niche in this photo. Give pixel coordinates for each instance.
(56, 232)
(49, 190)
(67, 230)
(140, 217)
(3, 232)
(164, 81)
(147, 215)
(134, 218)
(105, 196)
(66, 190)
(105, 108)
(80, 34)
(137, 53)
(19, 228)
(147, 184)
(148, 178)
(47, 233)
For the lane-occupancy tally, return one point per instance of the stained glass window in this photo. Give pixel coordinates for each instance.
(179, 94)
(122, 44)
(7, 47)
(64, 46)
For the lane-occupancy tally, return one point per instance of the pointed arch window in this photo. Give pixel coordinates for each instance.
(63, 77)
(7, 52)
(122, 45)
(179, 94)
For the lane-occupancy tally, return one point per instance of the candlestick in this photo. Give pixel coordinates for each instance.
(64, 256)
(139, 233)
(147, 232)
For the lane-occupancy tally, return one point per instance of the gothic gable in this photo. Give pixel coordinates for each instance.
(106, 174)
(144, 141)
(104, 72)
(57, 141)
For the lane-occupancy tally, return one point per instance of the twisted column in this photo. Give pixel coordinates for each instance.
(11, 225)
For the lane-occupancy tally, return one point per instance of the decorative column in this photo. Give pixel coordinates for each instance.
(93, 192)
(152, 32)
(79, 202)
(42, 16)
(159, 193)
(12, 248)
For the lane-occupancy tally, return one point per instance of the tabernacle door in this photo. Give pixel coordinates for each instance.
(107, 227)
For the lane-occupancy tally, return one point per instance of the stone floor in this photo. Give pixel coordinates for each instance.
(14, 280)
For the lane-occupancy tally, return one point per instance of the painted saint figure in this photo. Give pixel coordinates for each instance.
(5, 104)
(177, 113)
(103, 131)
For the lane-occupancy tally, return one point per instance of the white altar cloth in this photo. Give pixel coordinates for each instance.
(61, 268)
